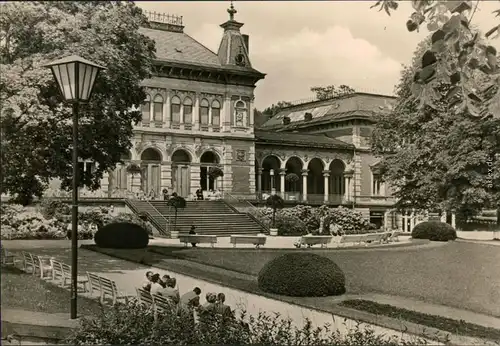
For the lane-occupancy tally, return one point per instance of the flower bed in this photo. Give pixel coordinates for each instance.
(301, 219)
(52, 220)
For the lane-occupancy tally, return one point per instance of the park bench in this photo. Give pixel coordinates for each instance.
(8, 258)
(394, 236)
(108, 288)
(198, 239)
(351, 238)
(94, 283)
(41, 264)
(144, 297)
(161, 304)
(373, 237)
(28, 261)
(62, 272)
(311, 240)
(248, 239)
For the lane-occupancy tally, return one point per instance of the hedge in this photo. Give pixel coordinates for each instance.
(434, 230)
(122, 235)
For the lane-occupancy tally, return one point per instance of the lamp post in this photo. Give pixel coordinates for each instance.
(271, 173)
(75, 77)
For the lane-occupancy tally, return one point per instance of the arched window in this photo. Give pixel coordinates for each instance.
(188, 111)
(175, 110)
(146, 110)
(216, 113)
(240, 113)
(158, 108)
(204, 105)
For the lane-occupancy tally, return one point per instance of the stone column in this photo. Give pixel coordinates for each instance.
(443, 217)
(412, 220)
(304, 184)
(105, 188)
(282, 182)
(453, 220)
(251, 114)
(194, 178)
(326, 177)
(387, 214)
(166, 176)
(136, 183)
(399, 221)
(259, 182)
(347, 187)
(226, 113)
(196, 112)
(166, 111)
(405, 222)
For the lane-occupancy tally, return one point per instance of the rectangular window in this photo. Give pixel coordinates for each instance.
(176, 113)
(216, 116)
(158, 111)
(146, 112)
(188, 114)
(204, 115)
(377, 185)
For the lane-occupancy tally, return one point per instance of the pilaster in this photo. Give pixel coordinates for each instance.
(251, 163)
(196, 112)
(227, 168)
(166, 111)
(105, 187)
(226, 113)
(357, 176)
(194, 178)
(166, 175)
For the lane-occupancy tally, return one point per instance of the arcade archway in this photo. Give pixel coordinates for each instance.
(151, 172)
(181, 172)
(209, 161)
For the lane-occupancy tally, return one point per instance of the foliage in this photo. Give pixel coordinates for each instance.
(456, 53)
(434, 158)
(301, 219)
(302, 275)
(434, 230)
(292, 177)
(51, 208)
(177, 202)
(276, 108)
(133, 169)
(122, 235)
(36, 136)
(30, 225)
(128, 218)
(215, 172)
(331, 91)
(134, 324)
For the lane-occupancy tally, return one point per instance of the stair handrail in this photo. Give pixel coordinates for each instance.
(230, 198)
(151, 218)
(167, 220)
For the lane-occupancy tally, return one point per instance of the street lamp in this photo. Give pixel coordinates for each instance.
(75, 77)
(271, 173)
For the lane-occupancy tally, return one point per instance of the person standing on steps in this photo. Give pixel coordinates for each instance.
(193, 232)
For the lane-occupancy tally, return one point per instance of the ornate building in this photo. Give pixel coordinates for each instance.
(198, 115)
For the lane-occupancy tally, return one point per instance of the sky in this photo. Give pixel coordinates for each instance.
(301, 44)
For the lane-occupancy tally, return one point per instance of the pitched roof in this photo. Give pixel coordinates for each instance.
(359, 105)
(299, 139)
(180, 47)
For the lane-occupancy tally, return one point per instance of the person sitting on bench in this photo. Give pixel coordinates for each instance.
(192, 231)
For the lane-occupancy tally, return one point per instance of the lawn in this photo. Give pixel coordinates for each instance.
(27, 292)
(457, 274)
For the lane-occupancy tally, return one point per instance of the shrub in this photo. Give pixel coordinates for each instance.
(434, 230)
(134, 324)
(302, 275)
(52, 208)
(128, 218)
(122, 235)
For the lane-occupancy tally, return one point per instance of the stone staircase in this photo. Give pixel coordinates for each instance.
(159, 221)
(209, 217)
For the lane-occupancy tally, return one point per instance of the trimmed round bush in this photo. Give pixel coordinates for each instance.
(122, 235)
(434, 230)
(302, 275)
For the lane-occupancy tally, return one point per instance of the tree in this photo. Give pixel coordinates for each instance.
(276, 108)
(293, 179)
(275, 202)
(176, 202)
(434, 158)
(331, 91)
(36, 143)
(456, 53)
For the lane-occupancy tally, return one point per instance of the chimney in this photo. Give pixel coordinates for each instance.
(245, 40)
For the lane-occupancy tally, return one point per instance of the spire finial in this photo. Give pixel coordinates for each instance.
(231, 10)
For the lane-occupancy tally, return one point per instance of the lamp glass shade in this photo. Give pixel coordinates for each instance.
(271, 171)
(75, 76)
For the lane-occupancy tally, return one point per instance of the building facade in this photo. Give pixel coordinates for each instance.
(198, 115)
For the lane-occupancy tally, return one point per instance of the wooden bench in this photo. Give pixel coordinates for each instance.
(198, 239)
(42, 264)
(144, 297)
(8, 258)
(394, 236)
(248, 239)
(94, 283)
(28, 262)
(351, 238)
(373, 237)
(62, 272)
(311, 240)
(108, 288)
(161, 303)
